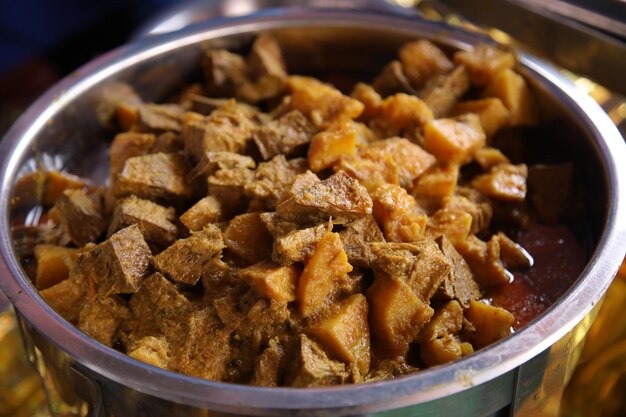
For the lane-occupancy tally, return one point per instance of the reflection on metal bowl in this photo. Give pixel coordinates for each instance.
(517, 376)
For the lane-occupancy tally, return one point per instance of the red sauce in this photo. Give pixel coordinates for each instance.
(559, 260)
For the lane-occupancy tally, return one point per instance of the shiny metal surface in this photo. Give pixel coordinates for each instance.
(542, 26)
(60, 130)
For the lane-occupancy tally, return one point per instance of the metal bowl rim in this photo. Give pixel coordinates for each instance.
(423, 386)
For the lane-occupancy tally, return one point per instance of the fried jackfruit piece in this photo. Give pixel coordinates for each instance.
(207, 210)
(274, 281)
(345, 333)
(285, 135)
(511, 88)
(159, 177)
(438, 343)
(421, 60)
(330, 145)
(80, 217)
(401, 114)
(398, 214)
(185, 260)
(155, 221)
(490, 323)
(247, 237)
(454, 140)
(298, 245)
(52, 264)
(435, 184)
(504, 182)
(312, 367)
(370, 98)
(491, 111)
(396, 315)
(321, 103)
(327, 266)
(339, 197)
(410, 159)
(67, 298)
(484, 63)
(151, 350)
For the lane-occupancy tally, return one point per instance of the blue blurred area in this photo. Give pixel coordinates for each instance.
(31, 28)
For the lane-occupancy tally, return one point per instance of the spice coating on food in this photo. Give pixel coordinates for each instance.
(270, 229)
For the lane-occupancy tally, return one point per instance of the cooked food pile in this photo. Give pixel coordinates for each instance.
(269, 229)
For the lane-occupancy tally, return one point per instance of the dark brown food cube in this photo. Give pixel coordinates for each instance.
(268, 366)
(228, 185)
(272, 178)
(284, 135)
(122, 261)
(161, 117)
(339, 197)
(186, 259)
(205, 105)
(126, 145)
(211, 162)
(110, 98)
(158, 308)
(312, 367)
(102, 319)
(223, 72)
(459, 284)
(205, 211)
(420, 264)
(392, 79)
(441, 92)
(229, 128)
(80, 217)
(205, 351)
(298, 245)
(158, 177)
(154, 221)
(356, 239)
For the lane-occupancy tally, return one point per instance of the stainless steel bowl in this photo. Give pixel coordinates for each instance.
(517, 376)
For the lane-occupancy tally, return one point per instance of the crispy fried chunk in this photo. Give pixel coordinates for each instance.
(321, 103)
(327, 266)
(185, 260)
(285, 135)
(80, 216)
(159, 177)
(123, 261)
(339, 197)
(312, 367)
(155, 221)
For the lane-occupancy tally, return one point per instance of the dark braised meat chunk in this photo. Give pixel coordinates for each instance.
(185, 260)
(159, 177)
(80, 216)
(155, 221)
(284, 135)
(339, 197)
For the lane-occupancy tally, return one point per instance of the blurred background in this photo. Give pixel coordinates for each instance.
(43, 41)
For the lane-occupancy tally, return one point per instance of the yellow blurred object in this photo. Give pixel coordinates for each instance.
(20, 388)
(598, 386)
